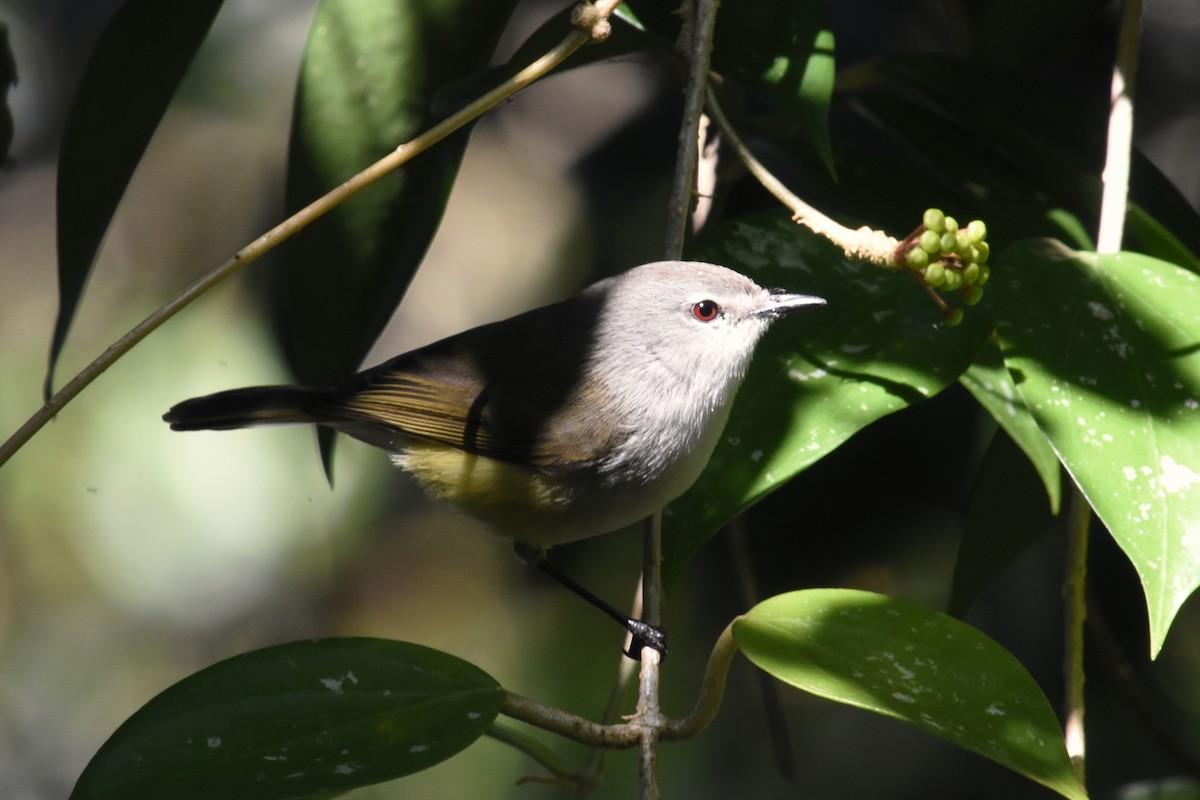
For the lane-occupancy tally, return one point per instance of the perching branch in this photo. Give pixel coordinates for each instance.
(591, 25)
(630, 734)
(695, 42)
(648, 718)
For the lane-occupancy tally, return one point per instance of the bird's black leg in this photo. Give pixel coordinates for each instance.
(643, 633)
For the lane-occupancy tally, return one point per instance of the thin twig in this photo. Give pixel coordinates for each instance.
(1113, 212)
(697, 37)
(591, 23)
(1108, 240)
(865, 243)
(1075, 597)
(1114, 202)
(572, 726)
(648, 718)
(696, 44)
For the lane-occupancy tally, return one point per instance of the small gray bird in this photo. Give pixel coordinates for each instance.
(564, 422)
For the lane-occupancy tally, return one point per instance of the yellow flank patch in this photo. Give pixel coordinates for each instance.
(510, 497)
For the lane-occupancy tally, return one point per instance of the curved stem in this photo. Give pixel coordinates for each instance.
(864, 243)
(591, 25)
(712, 690)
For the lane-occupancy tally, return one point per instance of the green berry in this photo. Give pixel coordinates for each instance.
(985, 272)
(934, 220)
(954, 317)
(970, 274)
(953, 280)
(916, 259)
(931, 242)
(951, 225)
(949, 242)
(935, 274)
(972, 294)
(977, 230)
(963, 243)
(983, 250)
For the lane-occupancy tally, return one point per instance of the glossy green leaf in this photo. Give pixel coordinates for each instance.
(904, 661)
(125, 89)
(296, 719)
(369, 82)
(1105, 351)
(820, 375)
(989, 382)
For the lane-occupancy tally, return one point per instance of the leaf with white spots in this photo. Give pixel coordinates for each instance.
(820, 375)
(1105, 351)
(294, 720)
(989, 382)
(916, 665)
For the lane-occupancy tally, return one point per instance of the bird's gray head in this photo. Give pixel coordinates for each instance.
(694, 310)
(694, 322)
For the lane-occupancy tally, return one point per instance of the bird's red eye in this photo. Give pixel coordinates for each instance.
(705, 310)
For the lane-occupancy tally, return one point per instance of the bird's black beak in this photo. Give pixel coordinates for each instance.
(783, 303)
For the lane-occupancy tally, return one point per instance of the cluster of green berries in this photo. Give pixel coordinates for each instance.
(949, 257)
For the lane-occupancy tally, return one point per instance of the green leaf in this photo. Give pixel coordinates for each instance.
(125, 89)
(820, 376)
(784, 48)
(907, 662)
(988, 380)
(294, 720)
(1105, 351)
(369, 82)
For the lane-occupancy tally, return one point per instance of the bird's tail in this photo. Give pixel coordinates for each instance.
(243, 408)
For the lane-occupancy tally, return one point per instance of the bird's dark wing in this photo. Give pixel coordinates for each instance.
(534, 407)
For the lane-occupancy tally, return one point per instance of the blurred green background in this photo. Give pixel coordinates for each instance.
(131, 556)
